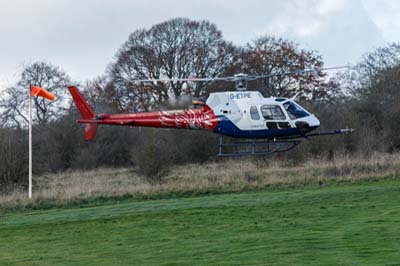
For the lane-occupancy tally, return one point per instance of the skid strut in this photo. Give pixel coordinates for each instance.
(254, 147)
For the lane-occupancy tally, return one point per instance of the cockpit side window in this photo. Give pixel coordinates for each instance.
(254, 113)
(272, 112)
(294, 110)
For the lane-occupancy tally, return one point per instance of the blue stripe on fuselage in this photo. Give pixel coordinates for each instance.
(226, 127)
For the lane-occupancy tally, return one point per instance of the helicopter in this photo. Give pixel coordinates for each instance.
(259, 125)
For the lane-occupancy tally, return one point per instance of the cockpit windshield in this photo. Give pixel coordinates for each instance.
(294, 111)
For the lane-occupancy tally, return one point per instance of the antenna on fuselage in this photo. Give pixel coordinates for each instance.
(241, 81)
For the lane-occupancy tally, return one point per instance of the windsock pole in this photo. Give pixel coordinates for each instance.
(30, 144)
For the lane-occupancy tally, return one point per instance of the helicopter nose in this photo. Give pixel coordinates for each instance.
(308, 124)
(313, 121)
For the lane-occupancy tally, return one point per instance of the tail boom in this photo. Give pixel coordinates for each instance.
(202, 118)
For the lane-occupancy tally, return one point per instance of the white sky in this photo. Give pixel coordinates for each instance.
(81, 36)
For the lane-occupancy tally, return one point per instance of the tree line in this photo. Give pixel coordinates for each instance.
(364, 97)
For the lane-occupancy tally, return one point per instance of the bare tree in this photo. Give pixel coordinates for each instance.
(103, 96)
(369, 71)
(269, 55)
(14, 101)
(372, 87)
(177, 48)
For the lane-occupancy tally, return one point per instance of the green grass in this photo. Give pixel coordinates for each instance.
(342, 224)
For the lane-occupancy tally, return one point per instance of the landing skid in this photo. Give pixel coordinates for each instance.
(254, 147)
(268, 146)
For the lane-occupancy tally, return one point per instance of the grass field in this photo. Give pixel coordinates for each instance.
(75, 187)
(336, 224)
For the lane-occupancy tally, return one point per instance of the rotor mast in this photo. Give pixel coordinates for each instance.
(241, 81)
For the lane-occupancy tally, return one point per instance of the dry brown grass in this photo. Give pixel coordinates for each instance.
(230, 175)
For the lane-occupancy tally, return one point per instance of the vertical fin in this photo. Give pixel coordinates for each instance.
(83, 107)
(86, 112)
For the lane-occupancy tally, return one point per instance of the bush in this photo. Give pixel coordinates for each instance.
(153, 155)
(13, 159)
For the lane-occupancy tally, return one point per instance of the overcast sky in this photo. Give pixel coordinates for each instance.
(82, 36)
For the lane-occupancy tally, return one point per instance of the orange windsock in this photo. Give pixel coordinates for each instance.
(38, 91)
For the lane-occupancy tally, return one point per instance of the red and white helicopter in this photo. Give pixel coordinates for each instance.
(268, 124)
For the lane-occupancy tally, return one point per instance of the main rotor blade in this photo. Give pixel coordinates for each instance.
(183, 79)
(235, 78)
(296, 72)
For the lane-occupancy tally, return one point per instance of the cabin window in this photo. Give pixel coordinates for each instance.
(284, 125)
(294, 111)
(272, 112)
(254, 113)
(272, 125)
